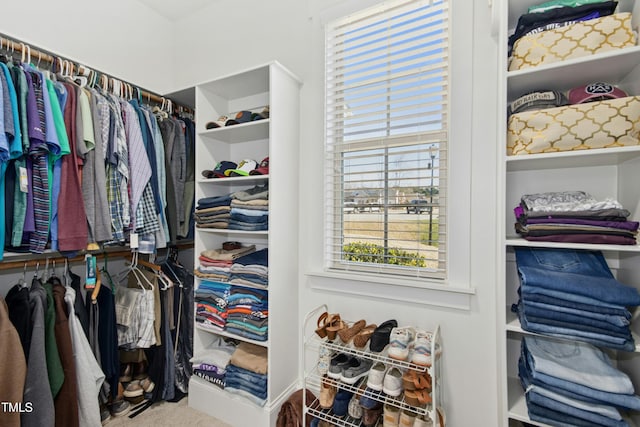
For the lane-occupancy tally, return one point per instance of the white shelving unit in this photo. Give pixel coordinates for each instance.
(609, 172)
(312, 378)
(278, 138)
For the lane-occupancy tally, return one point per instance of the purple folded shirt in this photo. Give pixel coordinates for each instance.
(623, 225)
(584, 238)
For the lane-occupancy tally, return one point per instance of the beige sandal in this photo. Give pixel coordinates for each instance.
(348, 333)
(362, 337)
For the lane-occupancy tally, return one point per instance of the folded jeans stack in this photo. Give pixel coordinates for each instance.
(573, 383)
(574, 216)
(250, 209)
(572, 294)
(247, 373)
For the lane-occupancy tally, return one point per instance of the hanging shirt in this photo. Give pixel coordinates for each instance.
(57, 98)
(20, 197)
(139, 167)
(72, 228)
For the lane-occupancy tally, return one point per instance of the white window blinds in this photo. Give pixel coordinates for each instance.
(386, 130)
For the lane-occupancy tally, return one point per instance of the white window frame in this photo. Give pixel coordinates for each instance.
(334, 185)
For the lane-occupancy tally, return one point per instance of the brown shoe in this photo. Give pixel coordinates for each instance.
(125, 372)
(362, 337)
(140, 371)
(327, 393)
(348, 333)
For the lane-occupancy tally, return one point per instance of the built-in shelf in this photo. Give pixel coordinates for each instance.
(573, 159)
(243, 132)
(223, 333)
(572, 73)
(517, 241)
(236, 180)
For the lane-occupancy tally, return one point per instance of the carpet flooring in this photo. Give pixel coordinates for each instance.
(166, 414)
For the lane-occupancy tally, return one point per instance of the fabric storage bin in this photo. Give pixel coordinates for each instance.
(573, 41)
(600, 124)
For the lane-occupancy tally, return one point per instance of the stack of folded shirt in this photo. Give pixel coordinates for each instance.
(211, 304)
(250, 209)
(212, 364)
(574, 216)
(213, 212)
(572, 294)
(573, 383)
(251, 269)
(247, 373)
(248, 313)
(216, 263)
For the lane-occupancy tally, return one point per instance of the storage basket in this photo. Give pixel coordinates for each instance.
(573, 41)
(600, 124)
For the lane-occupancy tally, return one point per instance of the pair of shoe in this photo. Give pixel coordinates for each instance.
(410, 419)
(381, 334)
(341, 402)
(133, 371)
(396, 417)
(328, 325)
(324, 359)
(119, 407)
(385, 379)
(137, 388)
(407, 340)
(328, 393)
(348, 369)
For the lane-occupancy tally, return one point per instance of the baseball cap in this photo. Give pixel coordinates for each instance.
(537, 100)
(262, 169)
(219, 170)
(243, 169)
(241, 117)
(264, 114)
(595, 92)
(221, 122)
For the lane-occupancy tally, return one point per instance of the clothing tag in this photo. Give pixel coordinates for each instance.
(90, 282)
(24, 180)
(133, 241)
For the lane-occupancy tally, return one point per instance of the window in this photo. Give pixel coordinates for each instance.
(386, 133)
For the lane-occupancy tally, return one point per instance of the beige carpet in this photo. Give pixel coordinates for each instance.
(165, 414)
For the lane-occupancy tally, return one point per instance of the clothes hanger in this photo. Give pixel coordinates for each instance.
(96, 289)
(23, 280)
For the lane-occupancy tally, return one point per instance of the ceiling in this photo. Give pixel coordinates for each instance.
(175, 10)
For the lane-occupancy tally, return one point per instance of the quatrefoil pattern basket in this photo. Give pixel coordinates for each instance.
(601, 124)
(573, 41)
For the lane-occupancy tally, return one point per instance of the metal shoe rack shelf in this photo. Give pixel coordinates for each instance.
(313, 378)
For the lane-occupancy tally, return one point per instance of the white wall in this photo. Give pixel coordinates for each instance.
(229, 36)
(122, 38)
(226, 38)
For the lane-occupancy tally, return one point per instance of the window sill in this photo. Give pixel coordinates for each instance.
(406, 290)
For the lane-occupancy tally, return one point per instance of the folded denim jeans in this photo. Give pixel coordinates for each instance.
(572, 322)
(573, 390)
(591, 263)
(577, 302)
(574, 334)
(556, 418)
(571, 314)
(576, 362)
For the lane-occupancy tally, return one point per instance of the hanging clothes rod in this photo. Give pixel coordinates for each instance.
(34, 260)
(10, 44)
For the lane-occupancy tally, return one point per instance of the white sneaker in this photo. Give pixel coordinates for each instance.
(392, 384)
(422, 348)
(399, 342)
(376, 377)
